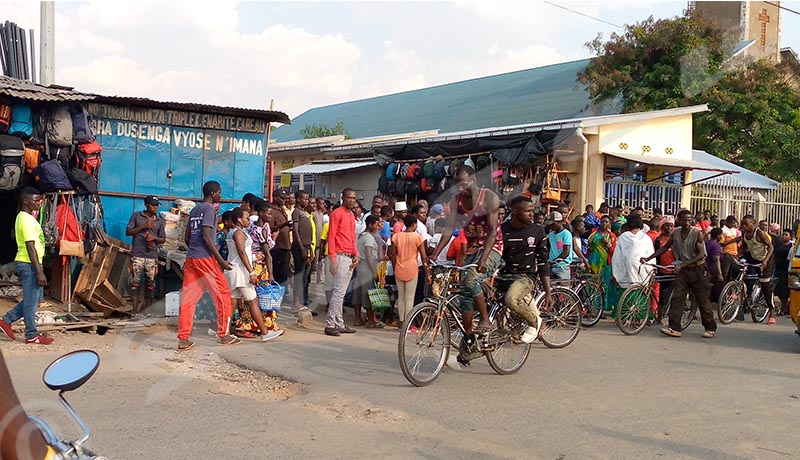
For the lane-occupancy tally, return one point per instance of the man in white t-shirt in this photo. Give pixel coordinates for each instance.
(438, 228)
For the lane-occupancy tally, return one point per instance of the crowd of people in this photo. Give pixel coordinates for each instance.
(350, 249)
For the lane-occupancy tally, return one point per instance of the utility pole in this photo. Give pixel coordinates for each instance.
(47, 53)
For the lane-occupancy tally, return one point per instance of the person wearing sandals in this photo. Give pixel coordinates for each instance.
(367, 272)
(203, 271)
(261, 235)
(242, 278)
(406, 247)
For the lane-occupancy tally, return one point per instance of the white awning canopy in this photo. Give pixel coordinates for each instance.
(678, 163)
(328, 167)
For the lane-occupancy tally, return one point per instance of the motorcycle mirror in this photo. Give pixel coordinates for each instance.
(72, 370)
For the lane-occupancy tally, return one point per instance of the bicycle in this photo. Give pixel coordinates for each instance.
(590, 292)
(637, 302)
(734, 296)
(425, 338)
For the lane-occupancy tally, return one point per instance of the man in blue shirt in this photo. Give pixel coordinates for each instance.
(560, 240)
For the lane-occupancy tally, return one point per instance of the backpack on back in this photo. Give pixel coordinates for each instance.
(12, 160)
(59, 127)
(87, 157)
(5, 117)
(21, 122)
(81, 128)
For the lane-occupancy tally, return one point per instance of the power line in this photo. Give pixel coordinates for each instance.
(783, 8)
(585, 15)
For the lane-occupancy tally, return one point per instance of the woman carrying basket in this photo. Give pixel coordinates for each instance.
(243, 278)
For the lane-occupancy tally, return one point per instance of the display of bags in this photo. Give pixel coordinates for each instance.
(59, 127)
(391, 171)
(428, 169)
(12, 160)
(71, 237)
(81, 126)
(21, 122)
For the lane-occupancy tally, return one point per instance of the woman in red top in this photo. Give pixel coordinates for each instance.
(668, 258)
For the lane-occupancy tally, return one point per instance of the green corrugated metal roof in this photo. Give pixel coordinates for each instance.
(526, 96)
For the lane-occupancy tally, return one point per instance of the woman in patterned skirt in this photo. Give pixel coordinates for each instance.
(262, 243)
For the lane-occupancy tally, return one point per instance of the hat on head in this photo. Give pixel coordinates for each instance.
(401, 206)
(666, 220)
(152, 200)
(556, 217)
(437, 209)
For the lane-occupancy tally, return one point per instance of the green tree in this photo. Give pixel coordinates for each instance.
(753, 117)
(323, 130)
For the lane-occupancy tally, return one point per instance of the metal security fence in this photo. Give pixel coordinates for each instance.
(666, 197)
(723, 200)
(782, 205)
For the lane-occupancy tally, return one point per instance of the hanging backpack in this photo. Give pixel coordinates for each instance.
(33, 157)
(383, 184)
(427, 184)
(21, 122)
(391, 171)
(81, 127)
(47, 219)
(39, 128)
(402, 170)
(400, 186)
(5, 117)
(87, 157)
(83, 182)
(427, 170)
(59, 127)
(51, 177)
(12, 161)
(391, 187)
(439, 171)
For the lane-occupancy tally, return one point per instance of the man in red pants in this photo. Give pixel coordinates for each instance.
(203, 271)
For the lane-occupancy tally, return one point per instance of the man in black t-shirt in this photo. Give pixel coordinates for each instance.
(525, 254)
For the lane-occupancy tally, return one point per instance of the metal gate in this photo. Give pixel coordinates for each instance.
(783, 204)
(723, 200)
(666, 197)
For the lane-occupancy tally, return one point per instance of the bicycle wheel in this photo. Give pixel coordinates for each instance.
(632, 311)
(759, 309)
(509, 353)
(424, 344)
(593, 301)
(689, 312)
(730, 301)
(561, 323)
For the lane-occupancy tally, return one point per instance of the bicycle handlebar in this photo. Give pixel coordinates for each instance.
(661, 267)
(453, 266)
(744, 263)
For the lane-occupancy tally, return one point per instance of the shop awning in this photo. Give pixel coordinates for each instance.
(328, 167)
(675, 163)
(670, 162)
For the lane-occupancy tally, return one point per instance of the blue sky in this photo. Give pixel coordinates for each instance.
(308, 54)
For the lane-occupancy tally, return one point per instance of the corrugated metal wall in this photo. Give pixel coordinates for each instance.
(138, 157)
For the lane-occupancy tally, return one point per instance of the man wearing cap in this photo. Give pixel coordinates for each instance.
(148, 230)
(400, 212)
(437, 211)
(560, 240)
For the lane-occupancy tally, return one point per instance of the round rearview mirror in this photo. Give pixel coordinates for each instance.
(71, 370)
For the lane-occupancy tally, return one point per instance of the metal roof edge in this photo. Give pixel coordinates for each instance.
(258, 114)
(640, 116)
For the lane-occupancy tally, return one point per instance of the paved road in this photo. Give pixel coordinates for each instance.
(606, 396)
